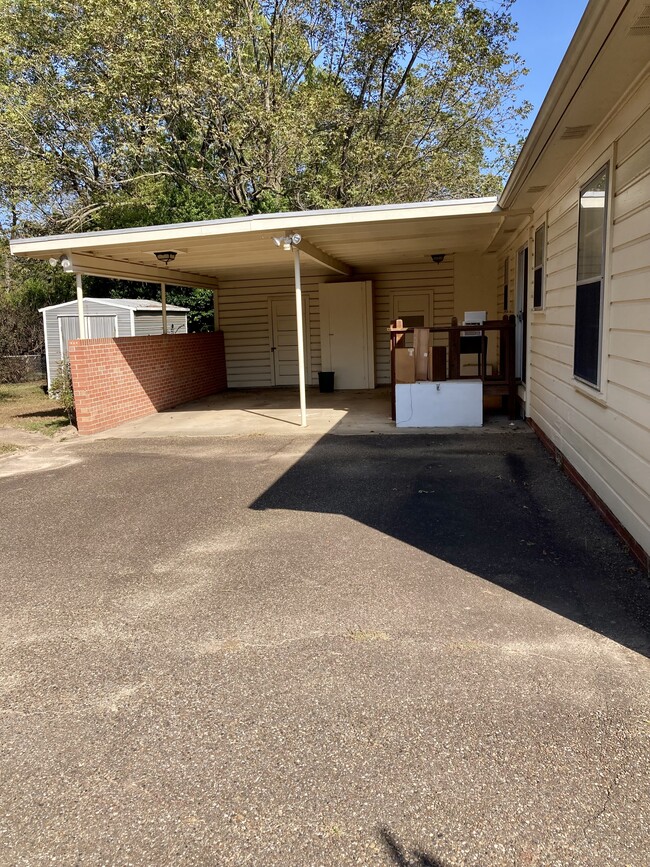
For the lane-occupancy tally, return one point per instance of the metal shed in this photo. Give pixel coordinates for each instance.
(105, 317)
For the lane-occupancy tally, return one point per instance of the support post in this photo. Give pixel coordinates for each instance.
(80, 307)
(215, 301)
(301, 338)
(163, 301)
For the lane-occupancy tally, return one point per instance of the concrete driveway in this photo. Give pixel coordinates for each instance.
(289, 651)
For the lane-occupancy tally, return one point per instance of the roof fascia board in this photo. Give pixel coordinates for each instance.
(590, 36)
(257, 223)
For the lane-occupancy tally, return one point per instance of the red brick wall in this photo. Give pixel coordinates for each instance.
(122, 378)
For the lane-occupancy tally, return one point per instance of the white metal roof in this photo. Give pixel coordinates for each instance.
(342, 240)
(128, 303)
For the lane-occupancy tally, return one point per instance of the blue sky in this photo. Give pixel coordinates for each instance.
(545, 30)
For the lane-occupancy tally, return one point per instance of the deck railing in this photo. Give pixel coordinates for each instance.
(451, 342)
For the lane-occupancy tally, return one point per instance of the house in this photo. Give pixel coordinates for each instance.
(104, 317)
(566, 248)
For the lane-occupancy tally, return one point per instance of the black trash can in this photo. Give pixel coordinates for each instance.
(325, 381)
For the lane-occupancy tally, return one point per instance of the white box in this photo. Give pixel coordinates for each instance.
(439, 404)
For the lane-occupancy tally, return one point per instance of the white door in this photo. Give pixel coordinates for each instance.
(521, 305)
(347, 333)
(284, 340)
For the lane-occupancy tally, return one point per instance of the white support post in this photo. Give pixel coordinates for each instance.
(80, 308)
(163, 301)
(301, 339)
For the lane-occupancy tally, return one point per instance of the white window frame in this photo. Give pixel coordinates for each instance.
(597, 391)
(541, 268)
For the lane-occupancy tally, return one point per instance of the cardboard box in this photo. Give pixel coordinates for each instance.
(404, 364)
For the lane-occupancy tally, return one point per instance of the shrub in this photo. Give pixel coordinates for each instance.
(62, 389)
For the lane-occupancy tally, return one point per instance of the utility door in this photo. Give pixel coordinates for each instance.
(284, 340)
(521, 305)
(346, 333)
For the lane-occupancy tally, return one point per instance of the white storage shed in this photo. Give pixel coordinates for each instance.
(105, 317)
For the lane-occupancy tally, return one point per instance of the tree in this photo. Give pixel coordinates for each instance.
(118, 114)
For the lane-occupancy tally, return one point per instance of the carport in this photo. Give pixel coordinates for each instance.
(294, 293)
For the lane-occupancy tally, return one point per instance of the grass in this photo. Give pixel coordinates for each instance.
(6, 448)
(25, 405)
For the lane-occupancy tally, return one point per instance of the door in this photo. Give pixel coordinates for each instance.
(96, 326)
(284, 340)
(521, 305)
(347, 333)
(415, 310)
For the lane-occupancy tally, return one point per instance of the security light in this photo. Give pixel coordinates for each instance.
(63, 261)
(287, 241)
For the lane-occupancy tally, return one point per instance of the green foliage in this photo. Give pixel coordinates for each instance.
(114, 115)
(62, 389)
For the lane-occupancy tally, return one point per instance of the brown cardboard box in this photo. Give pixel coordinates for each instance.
(404, 365)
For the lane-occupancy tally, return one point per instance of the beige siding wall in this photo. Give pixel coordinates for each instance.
(244, 313)
(245, 322)
(606, 434)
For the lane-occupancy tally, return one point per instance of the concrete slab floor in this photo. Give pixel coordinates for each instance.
(302, 652)
(275, 411)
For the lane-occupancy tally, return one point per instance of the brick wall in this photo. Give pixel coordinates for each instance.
(122, 378)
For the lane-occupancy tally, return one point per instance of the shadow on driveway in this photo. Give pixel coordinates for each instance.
(496, 506)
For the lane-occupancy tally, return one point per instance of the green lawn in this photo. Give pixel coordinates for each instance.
(25, 405)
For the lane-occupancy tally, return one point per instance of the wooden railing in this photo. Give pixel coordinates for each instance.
(446, 356)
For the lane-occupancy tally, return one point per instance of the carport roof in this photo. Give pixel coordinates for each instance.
(334, 241)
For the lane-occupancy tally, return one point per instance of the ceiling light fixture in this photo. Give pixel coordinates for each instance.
(166, 256)
(438, 258)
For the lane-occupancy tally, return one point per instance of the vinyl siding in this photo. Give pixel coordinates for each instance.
(151, 323)
(606, 434)
(244, 316)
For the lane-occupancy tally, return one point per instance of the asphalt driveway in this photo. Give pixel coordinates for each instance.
(282, 651)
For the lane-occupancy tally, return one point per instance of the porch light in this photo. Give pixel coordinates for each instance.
(165, 256)
(438, 258)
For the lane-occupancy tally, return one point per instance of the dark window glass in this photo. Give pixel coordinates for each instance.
(538, 274)
(588, 334)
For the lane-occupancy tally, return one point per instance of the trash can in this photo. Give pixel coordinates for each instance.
(325, 381)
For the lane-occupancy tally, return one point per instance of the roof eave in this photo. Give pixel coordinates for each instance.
(582, 50)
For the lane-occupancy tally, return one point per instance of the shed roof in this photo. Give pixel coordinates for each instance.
(128, 303)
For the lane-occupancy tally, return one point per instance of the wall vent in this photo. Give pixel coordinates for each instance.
(641, 26)
(539, 189)
(575, 132)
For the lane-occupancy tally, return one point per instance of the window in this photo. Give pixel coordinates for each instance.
(506, 276)
(592, 232)
(538, 267)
